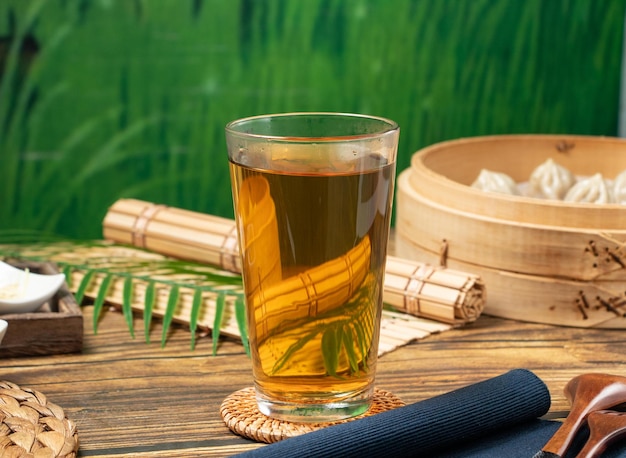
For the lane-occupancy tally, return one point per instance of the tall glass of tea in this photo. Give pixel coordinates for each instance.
(312, 194)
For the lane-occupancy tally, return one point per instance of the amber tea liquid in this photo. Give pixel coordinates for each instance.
(314, 242)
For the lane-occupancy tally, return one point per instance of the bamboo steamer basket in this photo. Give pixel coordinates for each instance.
(542, 261)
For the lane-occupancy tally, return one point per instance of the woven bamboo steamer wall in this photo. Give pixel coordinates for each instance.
(542, 261)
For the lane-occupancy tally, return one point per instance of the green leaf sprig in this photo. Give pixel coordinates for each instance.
(159, 274)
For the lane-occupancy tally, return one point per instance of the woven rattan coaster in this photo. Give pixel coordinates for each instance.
(32, 426)
(241, 415)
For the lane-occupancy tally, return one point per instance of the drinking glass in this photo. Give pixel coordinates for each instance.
(312, 194)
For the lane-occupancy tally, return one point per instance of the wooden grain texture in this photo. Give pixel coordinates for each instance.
(134, 399)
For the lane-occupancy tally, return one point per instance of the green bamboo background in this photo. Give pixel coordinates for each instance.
(105, 99)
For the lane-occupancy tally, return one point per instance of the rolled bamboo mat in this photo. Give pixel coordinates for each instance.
(445, 295)
(100, 260)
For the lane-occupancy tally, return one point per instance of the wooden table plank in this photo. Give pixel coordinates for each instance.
(134, 399)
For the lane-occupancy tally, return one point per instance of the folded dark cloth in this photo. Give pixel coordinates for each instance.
(518, 441)
(430, 427)
(523, 441)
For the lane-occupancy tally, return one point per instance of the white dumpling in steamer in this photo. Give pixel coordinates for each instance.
(594, 190)
(491, 181)
(619, 188)
(551, 180)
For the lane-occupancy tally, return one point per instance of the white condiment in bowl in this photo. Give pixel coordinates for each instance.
(22, 291)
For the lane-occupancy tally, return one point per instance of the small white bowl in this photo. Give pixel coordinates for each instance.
(23, 292)
(3, 329)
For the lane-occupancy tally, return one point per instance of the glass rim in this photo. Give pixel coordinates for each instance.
(389, 126)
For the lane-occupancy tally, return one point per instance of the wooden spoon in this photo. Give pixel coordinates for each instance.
(587, 393)
(605, 427)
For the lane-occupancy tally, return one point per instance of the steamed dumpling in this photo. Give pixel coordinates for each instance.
(619, 188)
(495, 182)
(594, 189)
(551, 180)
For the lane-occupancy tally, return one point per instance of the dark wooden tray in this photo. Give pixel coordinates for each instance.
(55, 328)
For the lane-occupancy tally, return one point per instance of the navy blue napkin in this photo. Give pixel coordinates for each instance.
(523, 441)
(454, 424)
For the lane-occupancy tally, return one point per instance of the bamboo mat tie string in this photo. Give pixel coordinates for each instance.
(414, 286)
(141, 224)
(229, 251)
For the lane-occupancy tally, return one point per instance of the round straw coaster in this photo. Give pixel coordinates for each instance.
(32, 426)
(241, 415)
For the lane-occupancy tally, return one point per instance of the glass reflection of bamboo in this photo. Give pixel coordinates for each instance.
(312, 292)
(337, 342)
(301, 303)
(260, 233)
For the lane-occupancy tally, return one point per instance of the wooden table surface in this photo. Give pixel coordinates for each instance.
(133, 399)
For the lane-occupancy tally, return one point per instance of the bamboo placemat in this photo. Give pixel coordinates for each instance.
(104, 261)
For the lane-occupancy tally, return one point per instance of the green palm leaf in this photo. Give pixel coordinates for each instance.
(295, 347)
(172, 303)
(100, 299)
(362, 340)
(193, 318)
(348, 345)
(84, 283)
(67, 271)
(217, 322)
(186, 283)
(147, 309)
(329, 350)
(127, 300)
(240, 314)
